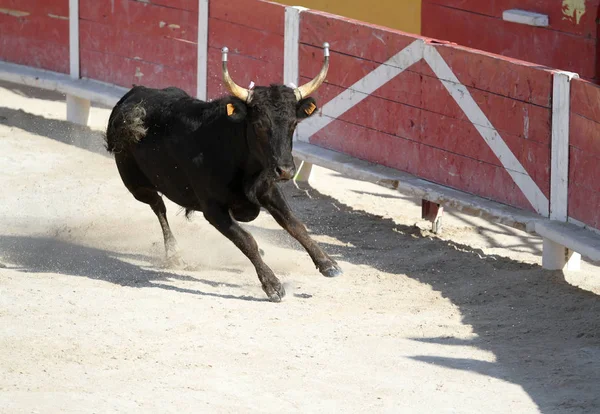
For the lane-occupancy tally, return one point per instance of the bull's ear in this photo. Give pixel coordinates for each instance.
(235, 110)
(306, 107)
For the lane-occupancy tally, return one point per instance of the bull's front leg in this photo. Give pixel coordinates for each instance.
(220, 218)
(274, 201)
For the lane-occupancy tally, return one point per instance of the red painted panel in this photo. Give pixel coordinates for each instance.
(507, 77)
(142, 18)
(243, 70)
(255, 45)
(554, 9)
(585, 99)
(247, 41)
(181, 55)
(38, 7)
(506, 115)
(257, 14)
(585, 134)
(583, 206)
(122, 70)
(39, 38)
(345, 70)
(462, 138)
(422, 160)
(39, 54)
(584, 187)
(546, 47)
(42, 28)
(584, 169)
(191, 5)
(351, 37)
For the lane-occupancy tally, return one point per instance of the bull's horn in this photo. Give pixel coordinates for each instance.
(308, 88)
(236, 90)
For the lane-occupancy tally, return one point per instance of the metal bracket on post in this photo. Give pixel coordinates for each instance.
(432, 212)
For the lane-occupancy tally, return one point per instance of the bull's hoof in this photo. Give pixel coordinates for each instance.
(175, 262)
(275, 293)
(332, 271)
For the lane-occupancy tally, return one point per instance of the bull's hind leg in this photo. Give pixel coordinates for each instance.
(137, 183)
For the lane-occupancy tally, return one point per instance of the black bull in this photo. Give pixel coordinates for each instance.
(223, 158)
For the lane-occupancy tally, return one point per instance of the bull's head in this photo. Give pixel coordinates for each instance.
(272, 113)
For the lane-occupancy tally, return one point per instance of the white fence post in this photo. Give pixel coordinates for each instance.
(291, 72)
(556, 256)
(78, 109)
(202, 68)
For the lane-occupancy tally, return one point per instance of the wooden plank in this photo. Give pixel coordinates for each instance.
(122, 71)
(559, 17)
(170, 52)
(583, 206)
(247, 41)
(370, 42)
(584, 170)
(243, 70)
(585, 134)
(545, 47)
(476, 70)
(35, 53)
(445, 125)
(257, 14)
(430, 163)
(189, 5)
(585, 97)
(38, 7)
(34, 27)
(143, 18)
(404, 88)
(506, 114)
(515, 79)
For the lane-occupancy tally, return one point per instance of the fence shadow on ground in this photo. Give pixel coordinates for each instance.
(544, 332)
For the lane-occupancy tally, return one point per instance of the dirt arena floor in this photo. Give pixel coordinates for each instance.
(92, 322)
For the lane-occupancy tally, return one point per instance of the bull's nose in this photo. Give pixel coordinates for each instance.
(285, 173)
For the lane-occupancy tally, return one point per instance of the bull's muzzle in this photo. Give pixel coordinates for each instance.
(285, 173)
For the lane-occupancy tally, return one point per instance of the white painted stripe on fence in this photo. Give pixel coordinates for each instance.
(362, 89)
(485, 128)
(74, 38)
(559, 170)
(202, 65)
(291, 44)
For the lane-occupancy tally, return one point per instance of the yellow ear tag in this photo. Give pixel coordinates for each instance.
(230, 109)
(310, 109)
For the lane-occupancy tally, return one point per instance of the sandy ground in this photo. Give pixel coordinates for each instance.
(91, 321)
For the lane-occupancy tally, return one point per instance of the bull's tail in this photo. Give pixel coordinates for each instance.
(125, 127)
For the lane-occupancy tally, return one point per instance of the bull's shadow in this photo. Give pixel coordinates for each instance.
(62, 131)
(505, 302)
(41, 254)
